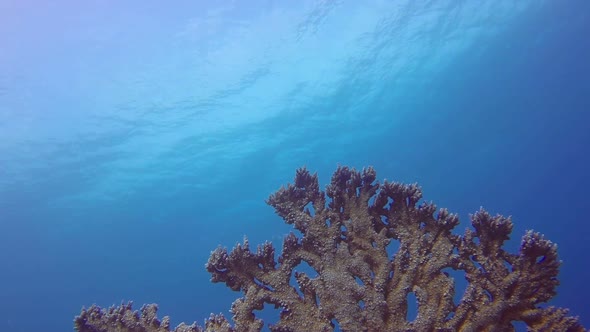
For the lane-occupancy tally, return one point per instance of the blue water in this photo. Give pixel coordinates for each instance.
(135, 138)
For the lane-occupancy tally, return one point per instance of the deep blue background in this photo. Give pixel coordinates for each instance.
(129, 151)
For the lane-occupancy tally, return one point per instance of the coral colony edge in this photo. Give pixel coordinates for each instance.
(359, 287)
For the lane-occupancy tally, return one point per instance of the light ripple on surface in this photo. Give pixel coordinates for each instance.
(155, 114)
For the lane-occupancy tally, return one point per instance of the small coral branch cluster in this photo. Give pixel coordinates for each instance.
(359, 286)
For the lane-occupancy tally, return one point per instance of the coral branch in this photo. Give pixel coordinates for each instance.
(124, 319)
(346, 235)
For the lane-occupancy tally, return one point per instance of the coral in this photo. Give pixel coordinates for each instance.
(124, 319)
(346, 233)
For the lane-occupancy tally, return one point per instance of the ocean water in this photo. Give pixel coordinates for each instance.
(137, 137)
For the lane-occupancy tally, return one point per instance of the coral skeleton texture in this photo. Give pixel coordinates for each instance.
(360, 286)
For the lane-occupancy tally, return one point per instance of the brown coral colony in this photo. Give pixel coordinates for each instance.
(358, 284)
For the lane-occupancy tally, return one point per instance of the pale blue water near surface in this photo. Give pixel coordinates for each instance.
(136, 137)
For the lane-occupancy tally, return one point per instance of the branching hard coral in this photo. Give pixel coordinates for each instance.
(124, 319)
(359, 286)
